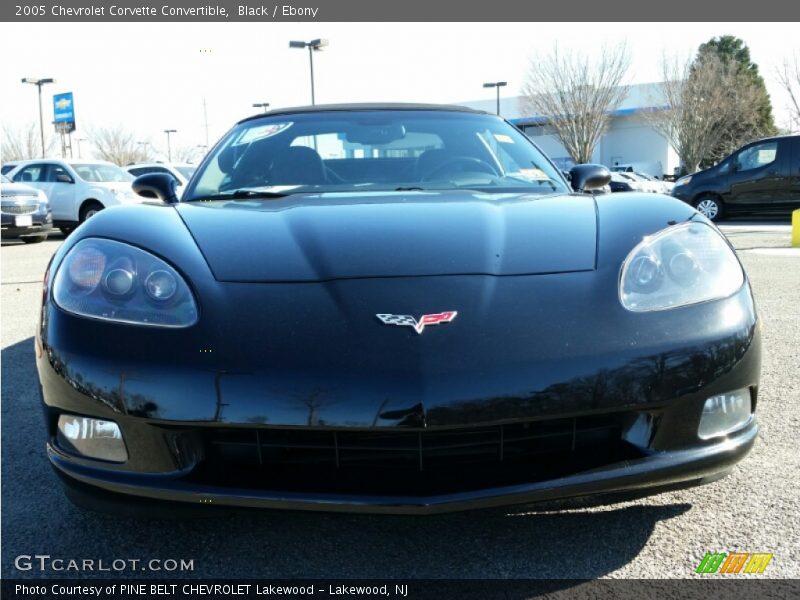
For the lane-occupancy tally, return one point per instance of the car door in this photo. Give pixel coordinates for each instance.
(758, 180)
(61, 193)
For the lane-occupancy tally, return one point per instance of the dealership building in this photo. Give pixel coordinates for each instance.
(629, 139)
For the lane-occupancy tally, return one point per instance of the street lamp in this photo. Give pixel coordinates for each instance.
(498, 85)
(169, 148)
(79, 140)
(39, 83)
(264, 105)
(144, 145)
(313, 46)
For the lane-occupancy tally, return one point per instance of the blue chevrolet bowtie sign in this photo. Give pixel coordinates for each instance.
(63, 108)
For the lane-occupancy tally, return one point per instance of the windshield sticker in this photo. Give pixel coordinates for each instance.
(264, 131)
(534, 174)
(503, 138)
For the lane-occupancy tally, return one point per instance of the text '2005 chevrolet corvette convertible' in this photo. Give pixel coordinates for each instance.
(393, 308)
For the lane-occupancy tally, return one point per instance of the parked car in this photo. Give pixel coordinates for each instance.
(181, 172)
(619, 183)
(761, 177)
(658, 186)
(643, 183)
(649, 167)
(25, 212)
(76, 189)
(392, 308)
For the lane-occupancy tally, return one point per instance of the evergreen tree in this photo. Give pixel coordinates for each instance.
(761, 123)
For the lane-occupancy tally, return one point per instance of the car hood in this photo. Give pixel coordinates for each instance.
(18, 189)
(336, 236)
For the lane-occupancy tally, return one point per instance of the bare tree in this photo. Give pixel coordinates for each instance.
(119, 146)
(708, 108)
(186, 154)
(24, 142)
(577, 94)
(789, 78)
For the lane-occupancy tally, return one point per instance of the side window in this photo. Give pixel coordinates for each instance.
(138, 171)
(31, 174)
(55, 171)
(757, 156)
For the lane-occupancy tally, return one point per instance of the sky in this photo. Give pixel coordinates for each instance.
(147, 77)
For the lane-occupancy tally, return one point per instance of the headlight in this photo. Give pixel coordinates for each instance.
(113, 281)
(44, 205)
(683, 264)
(684, 180)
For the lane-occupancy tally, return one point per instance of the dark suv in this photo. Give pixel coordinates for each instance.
(761, 177)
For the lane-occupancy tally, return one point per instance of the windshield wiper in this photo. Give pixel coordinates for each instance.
(243, 194)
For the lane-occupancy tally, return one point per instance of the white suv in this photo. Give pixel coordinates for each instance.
(77, 189)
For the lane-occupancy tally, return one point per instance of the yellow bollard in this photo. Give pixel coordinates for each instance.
(796, 229)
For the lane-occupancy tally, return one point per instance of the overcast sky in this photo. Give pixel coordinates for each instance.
(149, 77)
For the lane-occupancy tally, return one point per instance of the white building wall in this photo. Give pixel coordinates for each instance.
(632, 140)
(628, 140)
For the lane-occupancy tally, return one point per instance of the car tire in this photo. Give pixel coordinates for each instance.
(66, 230)
(90, 209)
(710, 206)
(34, 239)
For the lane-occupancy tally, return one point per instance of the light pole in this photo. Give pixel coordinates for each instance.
(498, 85)
(39, 83)
(169, 147)
(264, 105)
(313, 46)
(144, 145)
(79, 140)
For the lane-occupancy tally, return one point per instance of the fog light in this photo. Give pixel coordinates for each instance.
(725, 413)
(93, 438)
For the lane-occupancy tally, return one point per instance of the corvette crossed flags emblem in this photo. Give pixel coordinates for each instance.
(424, 320)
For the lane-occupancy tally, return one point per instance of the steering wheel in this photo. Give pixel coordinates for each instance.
(471, 164)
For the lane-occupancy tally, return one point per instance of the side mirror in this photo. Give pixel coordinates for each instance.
(64, 178)
(156, 185)
(585, 178)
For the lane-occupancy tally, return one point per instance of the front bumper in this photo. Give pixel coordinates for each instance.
(41, 224)
(690, 466)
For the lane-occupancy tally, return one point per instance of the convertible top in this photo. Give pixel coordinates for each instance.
(363, 106)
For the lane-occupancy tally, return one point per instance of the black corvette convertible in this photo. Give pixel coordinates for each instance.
(392, 308)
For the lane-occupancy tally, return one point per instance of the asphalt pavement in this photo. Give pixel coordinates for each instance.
(755, 509)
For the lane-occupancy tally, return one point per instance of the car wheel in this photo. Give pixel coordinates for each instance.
(35, 239)
(66, 230)
(90, 210)
(710, 207)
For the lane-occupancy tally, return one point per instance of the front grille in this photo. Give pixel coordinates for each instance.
(19, 207)
(398, 462)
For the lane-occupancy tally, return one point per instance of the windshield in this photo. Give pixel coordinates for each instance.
(100, 173)
(377, 150)
(187, 172)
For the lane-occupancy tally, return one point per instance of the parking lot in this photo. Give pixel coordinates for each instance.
(755, 509)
